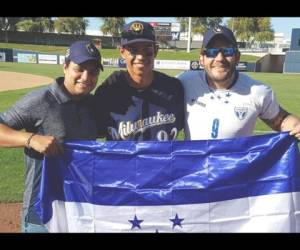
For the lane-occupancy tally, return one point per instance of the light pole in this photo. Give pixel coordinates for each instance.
(189, 36)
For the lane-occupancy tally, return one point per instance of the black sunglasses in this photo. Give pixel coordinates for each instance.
(213, 52)
(148, 52)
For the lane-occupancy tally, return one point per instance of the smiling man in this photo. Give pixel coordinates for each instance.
(45, 117)
(222, 103)
(140, 103)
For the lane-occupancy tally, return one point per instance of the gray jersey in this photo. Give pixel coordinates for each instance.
(47, 111)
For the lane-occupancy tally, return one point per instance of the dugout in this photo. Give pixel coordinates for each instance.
(270, 63)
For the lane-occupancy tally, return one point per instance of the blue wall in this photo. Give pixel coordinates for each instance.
(292, 62)
(295, 41)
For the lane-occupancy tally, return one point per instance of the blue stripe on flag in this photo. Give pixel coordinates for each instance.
(131, 173)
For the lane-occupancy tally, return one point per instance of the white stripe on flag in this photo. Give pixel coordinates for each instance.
(265, 213)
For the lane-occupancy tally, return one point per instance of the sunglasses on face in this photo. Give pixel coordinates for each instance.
(213, 52)
(147, 52)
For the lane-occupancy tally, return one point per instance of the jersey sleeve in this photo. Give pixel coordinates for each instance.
(269, 106)
(22, 114)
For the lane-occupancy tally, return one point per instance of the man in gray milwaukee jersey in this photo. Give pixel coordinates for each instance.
(44, 118)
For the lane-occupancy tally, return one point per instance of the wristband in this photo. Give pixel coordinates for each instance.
(27, 145)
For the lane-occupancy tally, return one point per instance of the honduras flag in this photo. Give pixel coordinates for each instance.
(247, 184)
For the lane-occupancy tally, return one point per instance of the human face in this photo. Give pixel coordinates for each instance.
(139, 58)
(81, 79)
(220, 69)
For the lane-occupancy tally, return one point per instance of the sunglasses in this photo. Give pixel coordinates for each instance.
(147, 52)
(213, 52)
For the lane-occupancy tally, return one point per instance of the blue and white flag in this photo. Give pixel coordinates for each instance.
(248, 184)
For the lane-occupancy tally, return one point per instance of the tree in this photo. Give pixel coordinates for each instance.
(27, 25)
(199, 24)
(46, 24)
(113, 26)
(251, 29)
(73, 25)
(36, 24)
(9, 23)
(243, 28)
(265, 33)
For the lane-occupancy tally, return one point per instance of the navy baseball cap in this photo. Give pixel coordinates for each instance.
(82, 51)
(218, 31)
(137, 31)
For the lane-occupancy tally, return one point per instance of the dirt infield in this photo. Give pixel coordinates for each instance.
(10, 213)
(10, 219)
(15, 80)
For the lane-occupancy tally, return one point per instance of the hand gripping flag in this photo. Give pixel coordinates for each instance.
(234, 185)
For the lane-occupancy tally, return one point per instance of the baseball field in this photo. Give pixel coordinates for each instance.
(17, 79)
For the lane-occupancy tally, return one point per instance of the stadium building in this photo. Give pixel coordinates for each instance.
(292, 58)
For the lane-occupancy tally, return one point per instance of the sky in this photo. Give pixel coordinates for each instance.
(279, 24)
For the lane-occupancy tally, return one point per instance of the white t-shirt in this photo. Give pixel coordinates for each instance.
(219, 114)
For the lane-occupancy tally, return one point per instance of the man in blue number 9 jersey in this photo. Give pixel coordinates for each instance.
(222, 103)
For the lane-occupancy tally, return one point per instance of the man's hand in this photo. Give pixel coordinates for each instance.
(296, 131)
(291, 123)
(47, 145)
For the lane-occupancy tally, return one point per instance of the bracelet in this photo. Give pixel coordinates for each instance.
(27, 145)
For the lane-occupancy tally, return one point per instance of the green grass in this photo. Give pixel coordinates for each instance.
(193, 55)
(12, 162)
(174, 55)
(12, 175)
(114, 53)
(48, 70)
(287, 92)
(61, 50)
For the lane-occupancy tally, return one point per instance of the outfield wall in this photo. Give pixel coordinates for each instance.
(6, 55)
(54, 38)
(26, 56)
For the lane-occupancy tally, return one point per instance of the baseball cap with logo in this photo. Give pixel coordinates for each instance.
(137, 31)
(218, 31)
(82, 51)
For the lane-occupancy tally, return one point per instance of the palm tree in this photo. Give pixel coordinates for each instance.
(199, 24)
(113, 26)
(73, 25)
